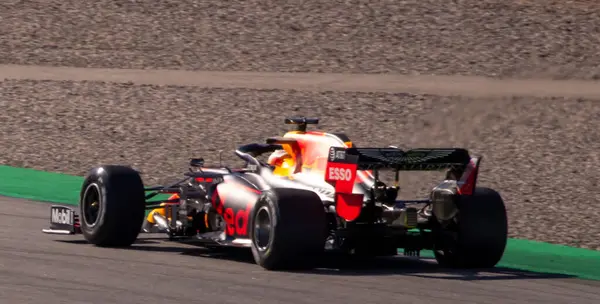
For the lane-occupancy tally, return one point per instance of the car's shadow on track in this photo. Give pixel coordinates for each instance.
(424, 268)
(408, 266)
(345, 266)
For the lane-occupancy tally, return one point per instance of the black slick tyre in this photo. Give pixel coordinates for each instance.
(288, 229)
(478, 235)
(112, 206)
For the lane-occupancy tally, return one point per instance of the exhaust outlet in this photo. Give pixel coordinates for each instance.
(443, 200)
(161, 222)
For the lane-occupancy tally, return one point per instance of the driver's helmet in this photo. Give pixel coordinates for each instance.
(282, 162)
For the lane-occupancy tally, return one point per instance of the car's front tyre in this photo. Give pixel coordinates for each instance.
(112, 206)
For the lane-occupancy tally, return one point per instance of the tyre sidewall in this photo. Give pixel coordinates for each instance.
(93, 232)
(267, 199)
(298, 229)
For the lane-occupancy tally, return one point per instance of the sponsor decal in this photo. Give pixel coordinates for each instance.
(62, 216)
(340, 171)
(337, 154)
(339, 174)
(236, 220)
(238, 223)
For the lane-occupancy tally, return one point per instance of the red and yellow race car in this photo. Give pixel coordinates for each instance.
(302, 156)
(316, 192)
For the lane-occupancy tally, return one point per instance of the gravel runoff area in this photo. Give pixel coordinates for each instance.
(516, 38)
(540, 153)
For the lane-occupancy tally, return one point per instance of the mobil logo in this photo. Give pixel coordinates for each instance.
(61, 215)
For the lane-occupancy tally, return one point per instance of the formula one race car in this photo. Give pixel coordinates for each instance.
(317, 192)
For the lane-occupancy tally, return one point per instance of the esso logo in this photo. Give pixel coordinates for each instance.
(340, 174)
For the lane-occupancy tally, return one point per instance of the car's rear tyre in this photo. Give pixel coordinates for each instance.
(477, 237)
(112, 206)
(288, 229)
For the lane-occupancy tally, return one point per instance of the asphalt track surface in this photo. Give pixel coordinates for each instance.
(41, 268)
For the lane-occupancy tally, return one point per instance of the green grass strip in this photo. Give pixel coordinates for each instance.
(40, 185)
(551, 258)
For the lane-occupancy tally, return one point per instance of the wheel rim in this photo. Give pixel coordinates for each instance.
(262, 228)
(91, 205)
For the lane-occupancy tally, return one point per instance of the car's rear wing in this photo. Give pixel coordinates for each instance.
(427, 159)
(343, 164)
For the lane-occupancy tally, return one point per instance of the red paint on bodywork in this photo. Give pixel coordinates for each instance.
(236, 222)
(468, 180)
(342, 176)
(314, 147)
(241, 220)
(217, 202)
(229, 220)
(348, 205)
